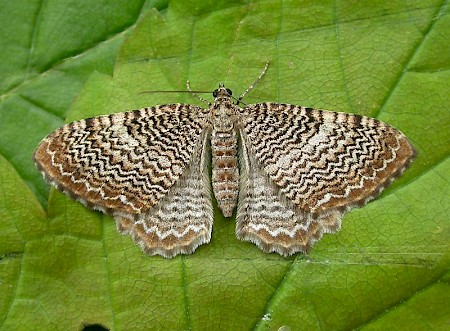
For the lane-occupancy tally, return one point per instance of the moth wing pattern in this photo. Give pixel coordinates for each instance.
(303, 168)
(125, 164)
(183, 219)
(300, 170)
(268, 219)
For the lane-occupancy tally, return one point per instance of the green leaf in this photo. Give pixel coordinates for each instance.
(63, 266)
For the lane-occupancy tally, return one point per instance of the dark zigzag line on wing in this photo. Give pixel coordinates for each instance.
(191, 207)
(114, 170)
(332, 168)
(168, 110)
(174, 152)
(162, 149)
(269, 143)
(94, 161)
(274, 123)
(152, 136)
(310, 182)
(142, 158)
(140, 162)
(335, 138)
(274, 108)
(286, 180)
(264, 206)
(351, 152)
(307, 158)
(181, 117)
(165, 143)
(307, 175)
(266, 147)
(257, 114)
(266, 121)
(84, 156)
(318, 152)
(320, 190)
(188, 204)
(99, 154)
(174, 225)
(158, 120)
(74, 183)
(273, 137)
(137, 179)
(73, 136)
(170, 223)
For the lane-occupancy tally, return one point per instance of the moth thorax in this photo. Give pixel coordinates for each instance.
(225, 173)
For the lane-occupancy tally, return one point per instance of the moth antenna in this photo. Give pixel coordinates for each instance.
(254, 83)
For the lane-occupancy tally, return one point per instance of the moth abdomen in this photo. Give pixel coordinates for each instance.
(225, 173)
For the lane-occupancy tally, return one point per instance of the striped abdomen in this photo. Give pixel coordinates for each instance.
(225, 173)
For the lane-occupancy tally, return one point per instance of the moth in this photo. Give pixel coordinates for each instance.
(289, 172)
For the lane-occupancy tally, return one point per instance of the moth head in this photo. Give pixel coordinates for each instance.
(222, 91)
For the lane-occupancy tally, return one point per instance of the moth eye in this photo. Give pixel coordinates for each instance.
(215, 93)
(230, 93)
